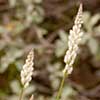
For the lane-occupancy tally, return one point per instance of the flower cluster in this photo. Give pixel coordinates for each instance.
(27, 71)
(73, 42)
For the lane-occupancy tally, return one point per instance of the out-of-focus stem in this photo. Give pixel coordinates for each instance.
(21, 94)
(61, 87)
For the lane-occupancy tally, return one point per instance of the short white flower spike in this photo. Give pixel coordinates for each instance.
(27, 71)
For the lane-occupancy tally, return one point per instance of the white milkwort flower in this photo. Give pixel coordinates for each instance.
(32, 98)
(73, 42)
(27, 70)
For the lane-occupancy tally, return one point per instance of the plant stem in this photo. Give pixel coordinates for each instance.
(61, 87)
(21, 94)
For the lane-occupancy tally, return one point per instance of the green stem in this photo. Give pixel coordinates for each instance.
(21, 94)
(61, 87)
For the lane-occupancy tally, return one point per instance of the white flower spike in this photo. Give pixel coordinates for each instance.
(73, 42)
(27, 70)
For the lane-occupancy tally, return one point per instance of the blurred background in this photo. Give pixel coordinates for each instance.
(44, 25)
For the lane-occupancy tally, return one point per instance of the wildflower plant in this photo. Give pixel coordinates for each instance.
(74, 39)
(26, 72)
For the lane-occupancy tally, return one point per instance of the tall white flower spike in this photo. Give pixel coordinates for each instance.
(27, 70)
(73, 42)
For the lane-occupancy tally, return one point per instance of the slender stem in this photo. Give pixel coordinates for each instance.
(21, 94)
(61, 87)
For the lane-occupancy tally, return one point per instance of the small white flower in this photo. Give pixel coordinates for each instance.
(73, 42)
(27, 71)
(31, 98)
(68, 68)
